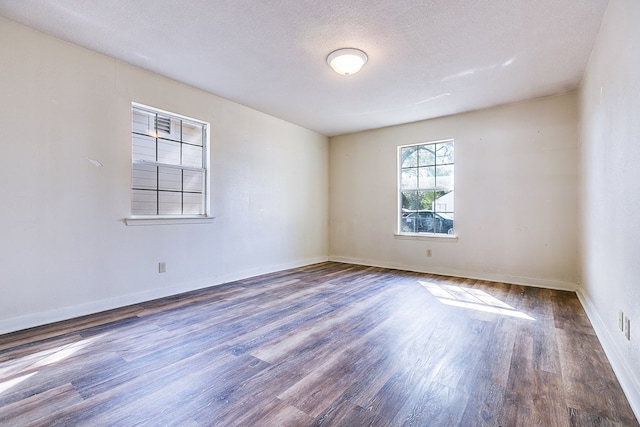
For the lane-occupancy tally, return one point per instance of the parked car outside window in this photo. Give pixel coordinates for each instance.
(426, 221)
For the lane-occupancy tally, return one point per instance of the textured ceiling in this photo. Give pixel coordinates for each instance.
(426, 58)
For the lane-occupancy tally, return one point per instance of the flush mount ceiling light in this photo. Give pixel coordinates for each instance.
(347, 61)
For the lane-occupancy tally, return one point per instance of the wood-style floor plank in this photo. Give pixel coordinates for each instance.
(324, 345)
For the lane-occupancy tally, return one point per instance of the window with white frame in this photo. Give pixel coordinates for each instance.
(426, 194)
(169, 164)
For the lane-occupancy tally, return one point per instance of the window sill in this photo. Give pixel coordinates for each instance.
(168, 220)
(427, 236)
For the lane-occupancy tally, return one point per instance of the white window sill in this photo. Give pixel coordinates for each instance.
(427, 236)
(168, 220)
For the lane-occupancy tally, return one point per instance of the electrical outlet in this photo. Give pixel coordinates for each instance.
(621, 320)
(627, 328)
(162, 267)
(429, 252)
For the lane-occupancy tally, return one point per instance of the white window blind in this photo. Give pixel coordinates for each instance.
(169, 167)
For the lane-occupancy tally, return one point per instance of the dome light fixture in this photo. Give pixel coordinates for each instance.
(347, 61)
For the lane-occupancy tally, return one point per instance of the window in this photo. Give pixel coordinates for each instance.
(169, 164)
(426, 188)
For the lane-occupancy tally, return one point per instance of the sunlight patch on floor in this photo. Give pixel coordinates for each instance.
(36, 361)
(64, 352)
(6, 385)
(473, 299)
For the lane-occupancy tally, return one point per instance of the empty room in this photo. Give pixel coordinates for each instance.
(320, 213)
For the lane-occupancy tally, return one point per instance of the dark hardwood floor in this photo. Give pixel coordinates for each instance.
(325, 345)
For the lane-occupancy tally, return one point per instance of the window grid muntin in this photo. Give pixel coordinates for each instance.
(153, 132)
(414, 162)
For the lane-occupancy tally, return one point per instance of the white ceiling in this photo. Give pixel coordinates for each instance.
(426, 58)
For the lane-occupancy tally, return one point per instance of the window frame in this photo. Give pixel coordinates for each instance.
(182, 218)
(422, 234)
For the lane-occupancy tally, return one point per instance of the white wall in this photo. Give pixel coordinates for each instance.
(65, 250)
(516, 195)
(610, 135)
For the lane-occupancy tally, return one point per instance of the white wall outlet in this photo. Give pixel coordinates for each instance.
(621, 320)
(627, 328)
(162, 267)
(429, 252)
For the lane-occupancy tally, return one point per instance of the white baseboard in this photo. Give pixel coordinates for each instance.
(503, 278)
(626, 377)
(66, 313)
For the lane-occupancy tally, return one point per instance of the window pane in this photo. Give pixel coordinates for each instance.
(192, 156)
(444, 153)
(408, 222)
(443, 202)
(193, 181)
(169, 203)
(192, 133)
(144, 176)
(143, 147)
(426, 155)
(409, 178)
(168, 152)
(169, 179)
(444, 178)
(144, 202)
(415, 200)
(442, 224)
(143, 122)
(408, 200)
(425, 222)
(193, 204)
(408, 157)
(168, 128)
(427, 177)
